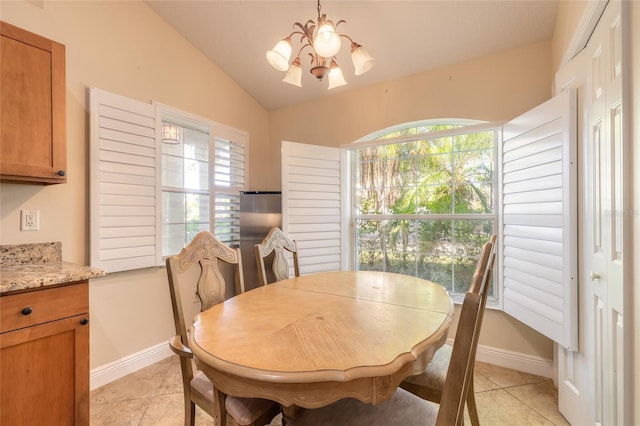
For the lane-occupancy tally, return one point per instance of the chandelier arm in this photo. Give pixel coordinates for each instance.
(347, 37)
(306, 31)
(305, 27)
(296, 32)
(303, 47)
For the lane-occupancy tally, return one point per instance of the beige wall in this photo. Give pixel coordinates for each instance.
(493, 88)
(123, 47)
(569, 16)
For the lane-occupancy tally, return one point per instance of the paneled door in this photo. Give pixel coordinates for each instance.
(591, 381)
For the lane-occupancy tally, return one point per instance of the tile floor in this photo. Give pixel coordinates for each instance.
(153, 396)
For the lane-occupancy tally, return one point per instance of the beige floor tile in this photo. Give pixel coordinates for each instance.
(172, 381)
(541, 397)
(497, 407)
(142, 383)
(168, 410)
(119, 413)
(505, 377)
(483, 383)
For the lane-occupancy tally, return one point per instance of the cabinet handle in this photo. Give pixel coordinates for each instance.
(61, 173)
(27, 310)
(84, 321)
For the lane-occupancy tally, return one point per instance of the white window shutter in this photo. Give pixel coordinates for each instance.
(124, 183)
(540, 219)
(229, 179)
(311, 205)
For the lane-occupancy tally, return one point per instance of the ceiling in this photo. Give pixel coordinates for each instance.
(405, 37)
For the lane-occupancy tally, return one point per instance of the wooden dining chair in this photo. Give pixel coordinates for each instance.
(276, 242)
(430, 384)
(196, 283)
(405, 408)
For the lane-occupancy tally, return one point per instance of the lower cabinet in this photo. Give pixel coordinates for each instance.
(44, 357)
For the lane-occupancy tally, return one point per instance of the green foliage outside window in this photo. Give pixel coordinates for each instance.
(426, 206)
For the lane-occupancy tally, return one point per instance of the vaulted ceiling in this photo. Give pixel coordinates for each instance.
(405, 37)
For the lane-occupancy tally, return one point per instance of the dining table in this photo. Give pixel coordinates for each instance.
(308, 341)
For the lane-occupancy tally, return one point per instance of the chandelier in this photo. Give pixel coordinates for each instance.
(324, 44)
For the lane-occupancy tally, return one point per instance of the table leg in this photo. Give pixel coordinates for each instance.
(219, 408)
(289, 413)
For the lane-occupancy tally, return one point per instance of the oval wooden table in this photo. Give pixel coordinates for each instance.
(312, 340)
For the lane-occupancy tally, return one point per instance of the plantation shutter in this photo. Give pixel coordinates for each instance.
(124, 198)
(311, 205)
(539, 209)
(229, 177)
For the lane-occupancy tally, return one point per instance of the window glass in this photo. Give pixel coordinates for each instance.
(190, 182)
(424, 206)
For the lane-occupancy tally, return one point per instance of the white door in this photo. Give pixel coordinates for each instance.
(591, 381)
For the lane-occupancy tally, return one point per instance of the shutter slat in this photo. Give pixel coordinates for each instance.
(296, 173)
(526, 196)
(546, 286)
(326, 237)
(311, 220)
(113, 243)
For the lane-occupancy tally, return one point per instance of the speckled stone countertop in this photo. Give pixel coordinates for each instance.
(26, 266)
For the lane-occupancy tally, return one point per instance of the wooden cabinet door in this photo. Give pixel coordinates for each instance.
(44, 374)
(33, 107)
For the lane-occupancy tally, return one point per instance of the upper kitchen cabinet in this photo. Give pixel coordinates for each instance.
(33, 108)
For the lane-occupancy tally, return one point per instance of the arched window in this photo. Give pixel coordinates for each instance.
(423, 199)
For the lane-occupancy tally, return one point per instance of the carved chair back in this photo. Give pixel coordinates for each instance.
(280, 247)
(196, 278)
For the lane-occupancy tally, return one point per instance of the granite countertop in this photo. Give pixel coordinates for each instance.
(28, 266)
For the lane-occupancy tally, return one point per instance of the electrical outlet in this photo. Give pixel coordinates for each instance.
(29, 220)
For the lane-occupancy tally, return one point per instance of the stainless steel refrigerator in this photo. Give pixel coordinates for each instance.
(259, 212)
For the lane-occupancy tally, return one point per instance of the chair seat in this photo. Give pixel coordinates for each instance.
(435, 374)
(244, 411)
(403, 409)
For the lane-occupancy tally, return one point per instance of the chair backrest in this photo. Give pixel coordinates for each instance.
(276, 242)
(481, 268)
(196, 270)
(465, 345)
(457, 384)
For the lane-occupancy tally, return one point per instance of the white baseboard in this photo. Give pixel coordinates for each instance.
(107, 373)
(516, 361)
(501, 357)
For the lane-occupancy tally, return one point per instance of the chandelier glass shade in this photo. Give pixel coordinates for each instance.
(323, 45)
